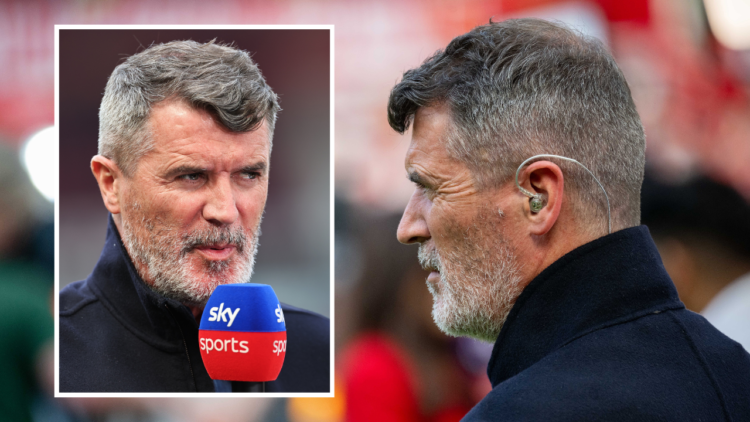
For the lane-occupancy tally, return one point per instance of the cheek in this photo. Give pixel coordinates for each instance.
(177, 211)
(250, 206)
(159, 204)
(458, 230)
(442, 220)
(137, 206)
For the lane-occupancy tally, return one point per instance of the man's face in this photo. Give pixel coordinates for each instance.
(191, 211)
(474, 275)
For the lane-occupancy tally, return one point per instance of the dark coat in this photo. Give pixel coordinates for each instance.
(601, 335)
(117, 335)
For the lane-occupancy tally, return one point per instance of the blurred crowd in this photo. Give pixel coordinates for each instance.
(26, 283)
(691, 85)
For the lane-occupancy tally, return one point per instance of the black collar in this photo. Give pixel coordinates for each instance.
(150, 316)
(605, 282)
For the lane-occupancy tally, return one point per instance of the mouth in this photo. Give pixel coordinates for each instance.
(216, 252)
(434, 275)
(429, 260)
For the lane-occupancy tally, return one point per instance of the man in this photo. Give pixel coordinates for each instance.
(184, 147)
(586, 325)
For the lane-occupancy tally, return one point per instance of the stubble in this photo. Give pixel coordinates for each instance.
(479, 277)
(164, 258)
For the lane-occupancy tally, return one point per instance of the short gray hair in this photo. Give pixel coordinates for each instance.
(524, 87)
(218, 78)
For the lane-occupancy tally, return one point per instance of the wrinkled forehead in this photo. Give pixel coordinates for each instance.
(178, 127)
(179, 134)
(174, 107)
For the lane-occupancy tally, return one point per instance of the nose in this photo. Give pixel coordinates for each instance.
(413, 227)
(220, 207)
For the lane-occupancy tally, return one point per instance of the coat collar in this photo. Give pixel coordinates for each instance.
(152, 317)
(612, 279)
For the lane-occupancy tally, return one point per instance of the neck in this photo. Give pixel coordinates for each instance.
(543, 251)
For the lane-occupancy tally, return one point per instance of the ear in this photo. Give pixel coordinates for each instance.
(110, 179)
(544, 178)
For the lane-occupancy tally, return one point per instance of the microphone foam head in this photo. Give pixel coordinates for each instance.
(242, 333)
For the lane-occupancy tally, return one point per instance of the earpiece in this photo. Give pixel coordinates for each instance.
(536, 203)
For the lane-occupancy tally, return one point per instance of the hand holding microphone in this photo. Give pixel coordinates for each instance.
(242, 333)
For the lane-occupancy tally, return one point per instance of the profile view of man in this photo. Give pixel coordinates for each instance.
(586, 324)
(184, 147)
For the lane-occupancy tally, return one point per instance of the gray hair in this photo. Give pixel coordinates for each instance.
(524, 87)
(218, 78)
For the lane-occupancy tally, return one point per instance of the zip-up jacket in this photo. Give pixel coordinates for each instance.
(117, 335)
(600, 335)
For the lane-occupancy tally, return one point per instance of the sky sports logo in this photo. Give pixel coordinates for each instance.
(232, 345)
(235, 346)
(279, 346)
(219, 313)
(242, 334)
(226, 315)
(220, 345)
(279, 314)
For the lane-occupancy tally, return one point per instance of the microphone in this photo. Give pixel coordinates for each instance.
(242, 333)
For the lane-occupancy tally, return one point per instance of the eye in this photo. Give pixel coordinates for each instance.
(427, 192)
(419, 185)
(191, 177)
(250, 175)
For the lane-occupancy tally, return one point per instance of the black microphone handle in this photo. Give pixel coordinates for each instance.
(248, 387)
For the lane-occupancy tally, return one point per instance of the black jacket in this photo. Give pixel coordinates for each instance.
(601, 335)
(117, 335)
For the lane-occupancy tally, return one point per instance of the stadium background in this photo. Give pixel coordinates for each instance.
(687, 62)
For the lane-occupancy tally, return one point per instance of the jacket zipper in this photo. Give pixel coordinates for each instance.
(184, 343)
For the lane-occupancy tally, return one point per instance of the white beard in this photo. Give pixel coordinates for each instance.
(162, 256)
(479, 280)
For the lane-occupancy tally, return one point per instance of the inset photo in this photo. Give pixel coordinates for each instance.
(179, 146)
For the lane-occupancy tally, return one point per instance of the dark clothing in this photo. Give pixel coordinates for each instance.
(117, 335)
(601, 335)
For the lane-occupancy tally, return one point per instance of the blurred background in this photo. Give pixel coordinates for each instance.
(688, 66)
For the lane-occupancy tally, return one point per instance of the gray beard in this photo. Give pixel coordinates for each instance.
(163, 261)
(479, 283)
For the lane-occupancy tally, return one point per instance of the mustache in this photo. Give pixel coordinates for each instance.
(223, 236)
(428, 258)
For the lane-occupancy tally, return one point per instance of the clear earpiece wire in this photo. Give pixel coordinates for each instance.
(531, 195)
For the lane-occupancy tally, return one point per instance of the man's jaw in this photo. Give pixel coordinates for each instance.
(187, 266)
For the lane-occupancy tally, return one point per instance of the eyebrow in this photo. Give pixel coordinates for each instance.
(184, 169)
(259, 166)
(188, 169)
